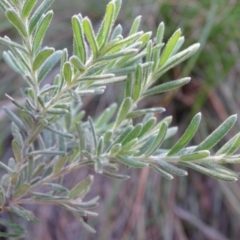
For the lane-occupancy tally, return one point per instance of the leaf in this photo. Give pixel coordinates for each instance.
(80, 136)
(138, 83)
(195, 156)
(27, 119)
(126, 41)
(141, 112)
(187, 136)
(21, 212)
(161, 172)
(169, 47)
(49, 64)
(132, 134)
(147, 126)
(8, 169)
(9, 235)
(230, 147)
(42, 57)
(15, 119)
(172, 169)
(36, 16)
(17, 22)
(176, 59)
(218, 134)
(106, 115)
(36, 132)
(17, 151)
(57, 187)
(117, 31)
(211, 172)
(94, 134)
(28, 7)
(10, 225)
(57, 111)
(126, 52)
(160, 33)
(129, 85)
(77, 63)
(131, 162)
(46, 152)
(13, 63)
(22, 190)
(67, 72)
(81, 189)
(88, 30)
(115, 175)
(9, 43)
(115, 149)
(135, 25)
(168, 86)
(2, 197)
(60, 164)
(17, 135)
(60, 133)
(158, 140)
(123, 111)
(41, 30)
(100, 146)
(107, 24)
(79, 38)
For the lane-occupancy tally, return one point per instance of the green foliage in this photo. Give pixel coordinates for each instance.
(50, 126)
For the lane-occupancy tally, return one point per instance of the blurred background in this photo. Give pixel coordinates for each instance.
(148, 207)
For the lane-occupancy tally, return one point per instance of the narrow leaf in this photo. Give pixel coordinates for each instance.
(218, 134)
(41, 57)
(131, 162)
(106, 26)
(41, 30)
(60, 164)
(28, 7)
(21, 190)
(158, 140)
(17, 151)
(168, 86)
(88, 30)
(123, 110)
(49, 64)
(162, 172)
(138, 83)
(16, 21)
(187, 136)
(81, 189)
(195, 156)
(169, 47)
(79, 38)
(34, 20)
(67, 72)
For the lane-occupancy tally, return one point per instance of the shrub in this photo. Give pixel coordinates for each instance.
(51, 137)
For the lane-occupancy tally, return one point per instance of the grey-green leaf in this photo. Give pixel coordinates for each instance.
(169, 47)
(158, 140)
(42, 57)
(34, 20)
(81, 189)
(16, 21)
(49, 64)
(41, 30)
(187, 136)
(218, 134)
(88, 30)
(131, 162)
(28, 7)
(168, 86)
(123, 110)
